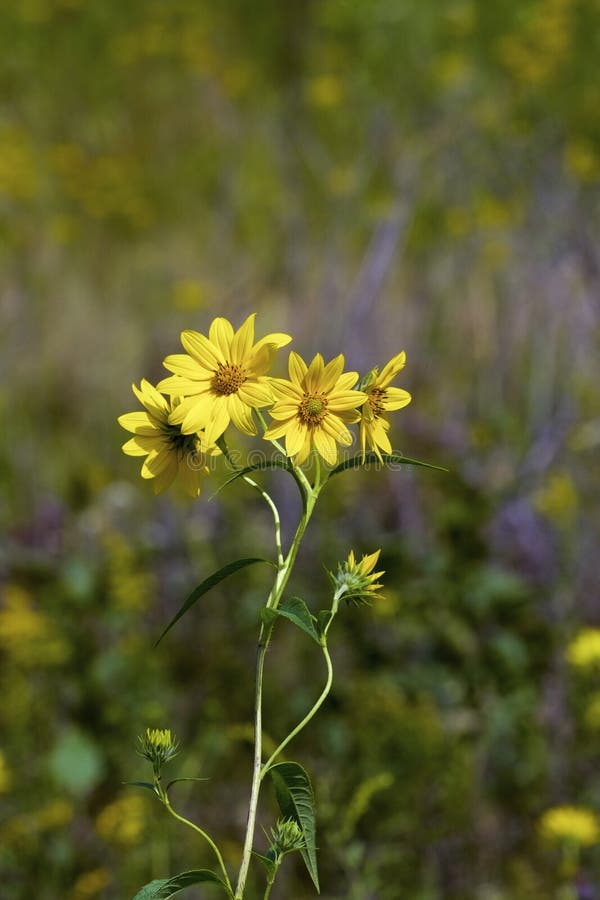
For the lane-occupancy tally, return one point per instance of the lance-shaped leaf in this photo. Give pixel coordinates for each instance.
(389, 460)
(209, 583)
(163, 888)
(297, 801)
(296, 611)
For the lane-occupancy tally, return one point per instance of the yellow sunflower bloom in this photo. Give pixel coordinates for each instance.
(222, 377)
(168, 452)
(374, 424)
(314, 407)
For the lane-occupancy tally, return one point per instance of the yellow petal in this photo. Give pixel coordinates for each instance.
(391, 369)
(139, 423)
(165, 479)
(176, 386)
(218, 422)
(190, 478)
(297, 367)
(302, 454)
(200, 348)
(314, 373)
(187, 367)
(277, 338)
(332, 373)
(154, 401)
(241, 415)
(284, 388)
(346, 381)
(241, 344)
(254, 394)
(155, 463)
(339, 400)
(283, 409)
(396, 398)
(325, 445)
(336, 429)
(275, 431)
(220, 334)
(197, 414)
(295, 437)
(139, 445)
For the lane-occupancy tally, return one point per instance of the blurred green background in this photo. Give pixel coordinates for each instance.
(371, 176)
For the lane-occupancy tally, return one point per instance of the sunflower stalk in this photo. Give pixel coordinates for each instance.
(221, 381)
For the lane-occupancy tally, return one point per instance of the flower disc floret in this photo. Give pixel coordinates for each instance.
(222, 377)
(381, 399)
(314, 407)
(169, 453)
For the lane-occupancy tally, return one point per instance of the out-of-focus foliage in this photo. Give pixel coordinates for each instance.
(371, 176)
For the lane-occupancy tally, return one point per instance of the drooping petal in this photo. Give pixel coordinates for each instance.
(325, 445)
(302, 454)
(190, 478)
(241, 415)
(218, 422)
(140, 445)
(277, 338)
(156, 462)
(255, 395)
(139, 423)
(295, 437)
(336, 429)
(379, 436)
(166, 478)
(200, 348)
(260, 361)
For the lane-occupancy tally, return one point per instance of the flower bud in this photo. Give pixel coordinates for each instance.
(287, 836)
(158, 746)
(355, 581)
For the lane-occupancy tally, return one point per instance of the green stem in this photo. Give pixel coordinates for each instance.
(203, 834)
(312, 712)
(269, 886)
(283, 574)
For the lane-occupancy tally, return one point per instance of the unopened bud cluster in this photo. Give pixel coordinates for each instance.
(287, 836)
(158, 746)
(355, 581)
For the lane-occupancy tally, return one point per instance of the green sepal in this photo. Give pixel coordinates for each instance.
(297, 612)
(323, 617)
(357, 462)
(163, 888)
(297, 801)
(209, 583)
(143, 784)
(269, 864)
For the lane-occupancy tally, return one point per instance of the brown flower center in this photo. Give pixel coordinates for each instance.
(377, 399)
(228, 378)
(312, 409)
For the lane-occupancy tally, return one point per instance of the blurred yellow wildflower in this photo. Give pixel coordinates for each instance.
(28, 635)
(169, 453)
(90, 884)
(570, 824)
(381, 398)
(123, 821)
(583, 651)
(313, 408)
(325, 91)
(5, 775)
(591, 714)
(582, 160)
(223, 377)
(557, 498)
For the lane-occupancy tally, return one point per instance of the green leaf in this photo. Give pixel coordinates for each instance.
(177, 780)
(162, 888)
(141, 784)
(296, 801)
(370, 459)
(297, 612)
(209, 583)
